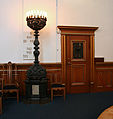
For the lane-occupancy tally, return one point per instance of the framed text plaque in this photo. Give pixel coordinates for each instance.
(35, 89)
(28, 46)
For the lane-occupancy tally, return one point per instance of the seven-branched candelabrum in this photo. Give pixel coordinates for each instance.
(36, 20)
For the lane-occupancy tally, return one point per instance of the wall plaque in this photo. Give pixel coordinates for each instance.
(28, 46)
(35, 89)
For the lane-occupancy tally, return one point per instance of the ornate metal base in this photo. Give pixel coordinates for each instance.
(39, 94)
(36, 72)
(36, 85)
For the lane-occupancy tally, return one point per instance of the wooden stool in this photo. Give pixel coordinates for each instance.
(57, 87)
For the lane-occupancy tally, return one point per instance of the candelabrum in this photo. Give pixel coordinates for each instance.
(36, 20)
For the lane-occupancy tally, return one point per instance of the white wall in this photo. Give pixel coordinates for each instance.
(10, 30)
(91, 13)
(69, 12)
(13, 26)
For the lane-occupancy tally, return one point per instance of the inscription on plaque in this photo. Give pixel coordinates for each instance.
(35, 89)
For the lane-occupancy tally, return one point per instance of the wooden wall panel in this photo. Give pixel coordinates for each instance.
(103, 77)
(54, 73)
(78, 74)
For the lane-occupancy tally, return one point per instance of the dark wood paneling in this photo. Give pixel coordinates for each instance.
(78, 79)
(99, 59)
(54, 73)
(103, 77)
(78, 74)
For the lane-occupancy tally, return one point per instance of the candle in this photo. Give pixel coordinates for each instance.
(36, 14)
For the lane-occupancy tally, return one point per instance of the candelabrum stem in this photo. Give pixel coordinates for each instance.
(36, 43)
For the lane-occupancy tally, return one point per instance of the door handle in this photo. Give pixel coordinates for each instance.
(68, 61)
(91, 83)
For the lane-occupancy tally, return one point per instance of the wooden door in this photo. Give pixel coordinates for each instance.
(77, 58)
(78, 63)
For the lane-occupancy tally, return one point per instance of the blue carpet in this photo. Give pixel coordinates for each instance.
(76, 106)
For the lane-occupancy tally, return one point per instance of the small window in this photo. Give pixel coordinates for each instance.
(78, 50)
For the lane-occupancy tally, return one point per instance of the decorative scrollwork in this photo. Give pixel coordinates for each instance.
(36, 72)
(36, 23)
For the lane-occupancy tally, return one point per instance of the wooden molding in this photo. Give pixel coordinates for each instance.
(99, 59)
(77, 28)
